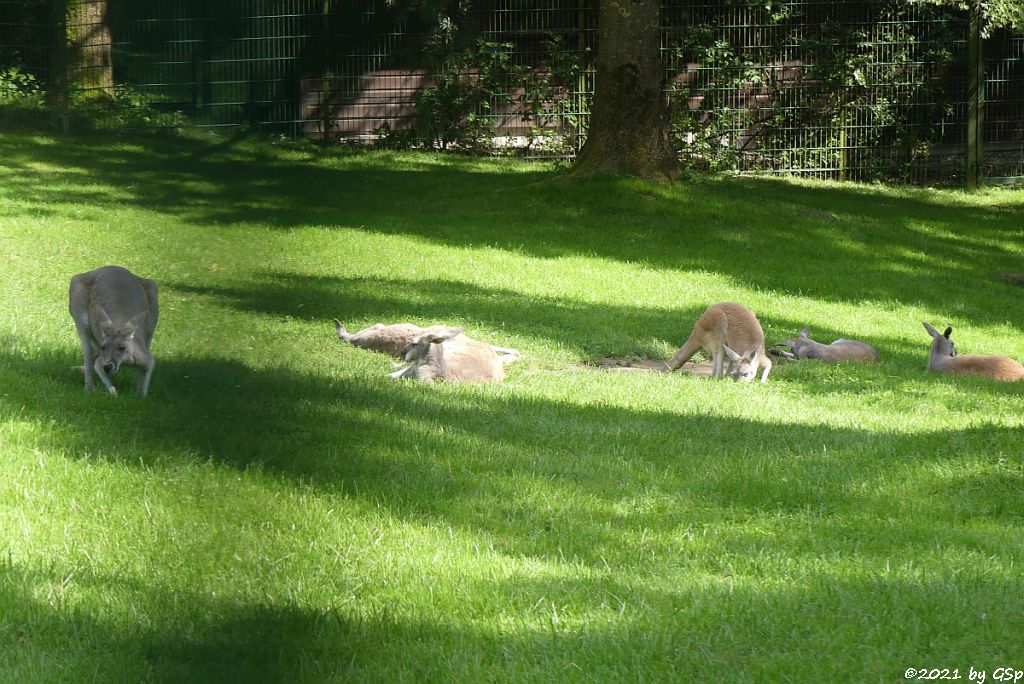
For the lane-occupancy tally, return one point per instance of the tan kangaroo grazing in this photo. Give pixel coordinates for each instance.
(803, 347)
(943, 358)
(723, 329)
(442, 353)
(115, 313)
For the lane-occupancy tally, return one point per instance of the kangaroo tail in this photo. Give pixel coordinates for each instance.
(342, 333)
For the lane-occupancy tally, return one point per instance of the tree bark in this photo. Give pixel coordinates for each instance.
(84, 62)
(628, 132)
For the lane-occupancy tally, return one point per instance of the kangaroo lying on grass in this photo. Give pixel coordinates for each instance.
(943, 359)
(393, 339)
(721, 330)
(115, 313)
(442, 353)
(390, 339)
(803, 347)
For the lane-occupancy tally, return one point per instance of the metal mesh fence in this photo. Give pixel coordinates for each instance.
(359, 71)
(27, 39)
(1003, 156)
(859, 89)
(839, 90)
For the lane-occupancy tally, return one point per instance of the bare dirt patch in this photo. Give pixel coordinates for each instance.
(634, 364)
(1013, 277)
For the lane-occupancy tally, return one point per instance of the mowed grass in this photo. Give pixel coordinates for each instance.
(279, 510)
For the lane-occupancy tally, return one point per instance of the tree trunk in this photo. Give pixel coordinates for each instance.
(628, 131)
(84, 62)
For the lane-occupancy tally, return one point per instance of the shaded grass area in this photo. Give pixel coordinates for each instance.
(707, 539)
(278, 510)
(869, 234)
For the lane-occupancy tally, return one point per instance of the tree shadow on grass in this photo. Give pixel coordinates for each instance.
(590, 328)
(540, 477)
(570, 323)
(706, 623)
(636, 497)
(830, 242)
(172, 636)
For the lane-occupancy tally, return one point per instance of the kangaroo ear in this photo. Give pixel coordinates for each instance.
(107, 326)
(805, 332)
(949, 331)
(442, 335)
(931, 331)
(730, 353)
(135, 321)
(422, 338)
(752, 354)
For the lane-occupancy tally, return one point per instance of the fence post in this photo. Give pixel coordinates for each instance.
(581, 79)
(976, 101)
(844, 162)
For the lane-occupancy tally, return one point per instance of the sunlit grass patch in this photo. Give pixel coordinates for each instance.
(279, 510)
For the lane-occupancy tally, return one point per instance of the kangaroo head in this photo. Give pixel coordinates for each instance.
(418, 350)
(941, 344)
(744, 366)
(795, 343)
(117, 342)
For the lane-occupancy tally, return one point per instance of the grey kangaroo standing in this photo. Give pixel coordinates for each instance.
(803, 347)
(721, 330)
(943, 358)
(115, 313)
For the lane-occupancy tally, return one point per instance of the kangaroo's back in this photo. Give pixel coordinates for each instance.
(444, 353)
(115, 313)
(851, 350)
(943, 358)
(709, 332)
(1001, 368)
(118, 291)
(472, 361)
(725, 325)
(742, 329)
(803, 347)
(115, 295)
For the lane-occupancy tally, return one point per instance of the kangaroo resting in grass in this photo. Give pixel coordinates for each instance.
(390, 339)
(943, 358)
(728, 330)
(115, 313)
(393, 339)
(803, 347)
(442, 353)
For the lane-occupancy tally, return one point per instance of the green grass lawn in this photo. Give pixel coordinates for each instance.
(279, 510)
